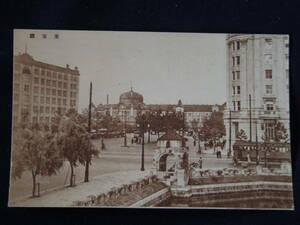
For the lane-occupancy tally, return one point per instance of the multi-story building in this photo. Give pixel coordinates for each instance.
(40, 90)
(257, 85)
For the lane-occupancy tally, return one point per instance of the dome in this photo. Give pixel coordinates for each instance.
(131, 97)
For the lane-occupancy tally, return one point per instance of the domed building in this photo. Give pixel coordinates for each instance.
(131, 98)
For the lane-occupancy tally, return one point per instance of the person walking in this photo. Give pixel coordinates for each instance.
(200, 162)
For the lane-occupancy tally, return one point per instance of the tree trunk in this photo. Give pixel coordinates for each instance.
(72, 174)
(33, 183)
(86, 174)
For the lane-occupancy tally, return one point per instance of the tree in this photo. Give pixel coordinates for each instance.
(281, 133)
(75, 143)
(241, 135)
(34, 149)
(213, 128)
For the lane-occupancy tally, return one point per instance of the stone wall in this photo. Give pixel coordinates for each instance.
(114, 193)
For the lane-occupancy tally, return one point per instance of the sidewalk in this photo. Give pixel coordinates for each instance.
(64, 197)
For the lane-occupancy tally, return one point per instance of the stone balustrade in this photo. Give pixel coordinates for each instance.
(114, 193)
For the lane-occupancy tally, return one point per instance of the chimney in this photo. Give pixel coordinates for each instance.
(67, 66)
(107, 99)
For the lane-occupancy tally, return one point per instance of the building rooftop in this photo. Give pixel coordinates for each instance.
(27, 59)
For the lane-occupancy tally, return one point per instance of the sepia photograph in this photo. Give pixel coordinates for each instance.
(150, 119)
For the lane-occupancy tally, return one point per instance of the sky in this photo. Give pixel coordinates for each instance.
(163, 67)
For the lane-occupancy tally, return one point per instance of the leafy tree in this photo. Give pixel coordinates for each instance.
(242, 136)
(34, 149)
(213, 128)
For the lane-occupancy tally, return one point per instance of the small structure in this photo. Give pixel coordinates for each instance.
(170, 163)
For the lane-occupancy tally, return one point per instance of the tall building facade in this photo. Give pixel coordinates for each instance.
(40, 90)
(257, 85)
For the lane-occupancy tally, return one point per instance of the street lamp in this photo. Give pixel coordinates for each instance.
(124, 113)
(143, 125)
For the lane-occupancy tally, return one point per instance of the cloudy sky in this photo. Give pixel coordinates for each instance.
(163, 67)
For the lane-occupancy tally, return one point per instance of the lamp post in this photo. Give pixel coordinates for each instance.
(143, 125)
(124, 113)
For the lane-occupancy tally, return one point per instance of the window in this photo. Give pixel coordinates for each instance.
(66, 77)
(238, 105)
(35, 109)
(43, 72)
(64, 93)
(59, 76)
(238, 45)
(53, 83)
(47, 109)
(48, 82)
(238, 60)
(269, 89)
(268, 43)
(237, 75)
(44, 36)
(53, 100)
(36, 90)
(17, 67)
(233, 46)
(64, 101)
(233, 61)
(56, 36)
(48, 91)
(59, 92)
(54, 75)
(47, 100)
(17, 87)
(59, 84)
(36, 80)
(42, 91)
(270, 107)
(233, 103)
(41, 109)
(286, 42)
(43, 81)
(26, 88)
(65, 85)
(233, 90)
(238, 90)
(268, 74)
(49, 74)
(268, 59)
(31, 35)
(233, 75)
(42, 99)
(36, 99)
(59, 101)
(54, 92)
(36, 71)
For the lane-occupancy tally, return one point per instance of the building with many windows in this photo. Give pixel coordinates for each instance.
(40, 90)
(257, 85)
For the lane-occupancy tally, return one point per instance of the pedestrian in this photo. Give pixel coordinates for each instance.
(132, 141)
(194, 142)
(200, 162)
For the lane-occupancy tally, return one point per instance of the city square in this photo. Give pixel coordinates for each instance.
(136, 130)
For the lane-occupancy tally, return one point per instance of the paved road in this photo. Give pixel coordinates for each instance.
(114, 158)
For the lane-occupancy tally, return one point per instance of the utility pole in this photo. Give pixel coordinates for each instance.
(256, 141)
(229, 151)
(250, 117)
(87, 163)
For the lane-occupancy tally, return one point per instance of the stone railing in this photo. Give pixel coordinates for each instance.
(115, 193)
(227, 172)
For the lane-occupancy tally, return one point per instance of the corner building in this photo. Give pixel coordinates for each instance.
(40, 90)
(257, 79)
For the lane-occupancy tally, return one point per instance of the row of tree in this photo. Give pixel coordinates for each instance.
(42, 150)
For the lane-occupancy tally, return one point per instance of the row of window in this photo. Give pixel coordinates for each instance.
(47, 100)
(54, 83)
(50, 74)
(46, 109)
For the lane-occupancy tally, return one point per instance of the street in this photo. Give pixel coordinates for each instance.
(114, 158)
